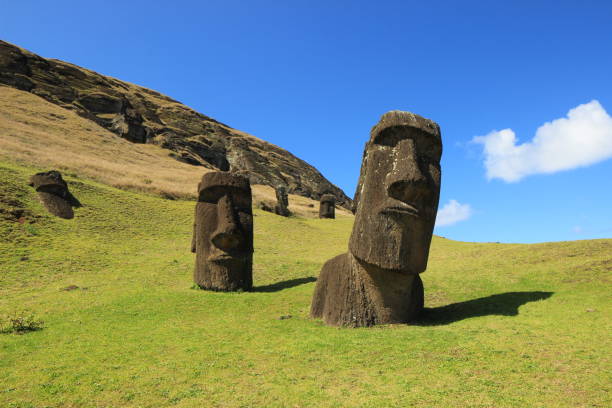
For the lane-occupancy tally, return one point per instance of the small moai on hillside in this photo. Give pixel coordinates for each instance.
(282, 202)
(54, 194)
(223, 233)
(327, 207)
(377, 281)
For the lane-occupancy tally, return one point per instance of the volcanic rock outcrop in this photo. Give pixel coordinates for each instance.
(377, 281)
(54, 194)
(145, 116)
(327, 207)
(223, 233)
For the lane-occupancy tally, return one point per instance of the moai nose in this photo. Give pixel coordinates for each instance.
(227, 236)
(406, 182)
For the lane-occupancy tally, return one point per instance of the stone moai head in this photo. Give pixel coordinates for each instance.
(398, 193)
(54, 194)
(327, 206)
(282, 196)
(282, 201)
(223, 233)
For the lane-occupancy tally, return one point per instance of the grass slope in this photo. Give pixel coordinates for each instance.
(506, 325)
(37, 132)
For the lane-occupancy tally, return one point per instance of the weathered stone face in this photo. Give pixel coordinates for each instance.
(282, 201)
(54, 194)
(223, 233)
(398, 193)
(327, 206)
(377, 281)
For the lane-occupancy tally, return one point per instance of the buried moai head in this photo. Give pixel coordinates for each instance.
(223, 233)
(54, 194)
(327, 206)
(398, 192)
(282, 201)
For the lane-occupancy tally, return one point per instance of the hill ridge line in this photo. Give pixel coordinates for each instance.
(143, 115)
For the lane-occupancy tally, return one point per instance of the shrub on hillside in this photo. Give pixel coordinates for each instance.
(20, 322)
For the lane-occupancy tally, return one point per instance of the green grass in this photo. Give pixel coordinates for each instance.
(506, 325)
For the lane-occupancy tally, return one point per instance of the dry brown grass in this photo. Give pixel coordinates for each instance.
(36, 132)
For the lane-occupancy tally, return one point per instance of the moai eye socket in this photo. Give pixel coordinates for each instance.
(391, 136)
(241, 199)
(212, 194)
(427, 145)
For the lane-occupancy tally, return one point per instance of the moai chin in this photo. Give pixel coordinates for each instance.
(327, 206)
(54, 194)
(223, 233)
(282, 201)
(377, 281)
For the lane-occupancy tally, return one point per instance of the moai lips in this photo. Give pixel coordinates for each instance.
(54, 194)
(223, 233)
(377, 281)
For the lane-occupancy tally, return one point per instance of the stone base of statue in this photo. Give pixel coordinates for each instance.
(230, 276)
(351, 293)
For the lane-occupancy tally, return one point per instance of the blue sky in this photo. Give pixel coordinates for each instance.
(314, 76)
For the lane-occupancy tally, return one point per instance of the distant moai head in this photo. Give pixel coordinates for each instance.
(223, 232)
(282, 201)
(327, 206)
(54, 194)
(398, 193)
(281, 195)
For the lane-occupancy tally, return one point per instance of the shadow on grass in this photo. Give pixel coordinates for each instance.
(504, 304)
(275, 287)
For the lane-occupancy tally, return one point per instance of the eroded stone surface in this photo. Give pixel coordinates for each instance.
(377, 281)
(54, 194)
(223, 233)
(282, 201)
(327, 206)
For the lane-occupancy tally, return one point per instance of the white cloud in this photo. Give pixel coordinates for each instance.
(583, 138)
(452, 213)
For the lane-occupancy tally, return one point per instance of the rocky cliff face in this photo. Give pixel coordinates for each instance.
(145, 116)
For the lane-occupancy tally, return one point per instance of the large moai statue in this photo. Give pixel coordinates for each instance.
(223, 233)
(54, 194)
(282, 202)
(327, 207)
(377, 281)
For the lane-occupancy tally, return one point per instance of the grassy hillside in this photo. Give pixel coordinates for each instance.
(39, 133)
(506, 325)
(145, 116)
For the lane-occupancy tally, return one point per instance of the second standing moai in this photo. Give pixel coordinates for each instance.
(327, 207)
(223, 233)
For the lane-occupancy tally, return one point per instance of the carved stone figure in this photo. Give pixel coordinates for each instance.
(327, 206)
(54, 194)
(377, 281)
(223, 233)
(282, 201)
